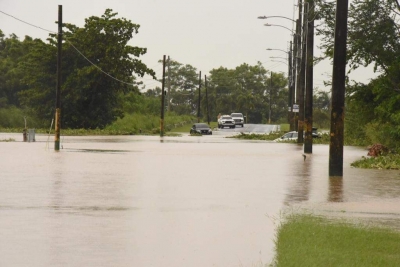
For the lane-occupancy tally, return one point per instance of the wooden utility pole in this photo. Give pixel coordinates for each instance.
(298, 64)
(208, 114)
(302, 80)
(293, 126)
(338, 90)
(198, 105)
(270, 101)
(58, 90)
(162, 100)
(169, 86)
(308, 111)
(291, 89)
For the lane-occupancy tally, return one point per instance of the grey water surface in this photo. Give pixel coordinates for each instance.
(171, 201)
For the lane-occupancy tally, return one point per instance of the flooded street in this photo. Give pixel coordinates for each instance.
(172, 201)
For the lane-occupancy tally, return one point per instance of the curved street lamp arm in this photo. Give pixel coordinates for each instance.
(267, 17)
(278, 61)
(277, 25)
(270, 49)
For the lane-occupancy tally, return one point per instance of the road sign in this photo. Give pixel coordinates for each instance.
(296, 108)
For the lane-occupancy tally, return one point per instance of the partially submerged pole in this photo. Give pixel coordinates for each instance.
(205, 85)
(162, 100)
(302, 80)
(338, 90)
(308, 111)
(58, 90)
(198, 104)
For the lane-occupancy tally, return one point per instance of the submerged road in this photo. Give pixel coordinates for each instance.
(105, 201)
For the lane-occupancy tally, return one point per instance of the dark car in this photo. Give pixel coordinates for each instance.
(200, 128)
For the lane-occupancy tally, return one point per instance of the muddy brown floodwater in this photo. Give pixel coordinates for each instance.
(172, 201)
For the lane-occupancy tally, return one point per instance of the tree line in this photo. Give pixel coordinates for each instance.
(373, 108)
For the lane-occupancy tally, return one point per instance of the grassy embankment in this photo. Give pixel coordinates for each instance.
(129, 125)
(307, 240)
(387, 161)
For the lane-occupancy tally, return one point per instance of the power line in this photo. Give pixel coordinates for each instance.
(26, 22)
(101, 70)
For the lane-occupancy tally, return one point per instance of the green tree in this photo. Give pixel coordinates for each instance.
(250, 90)
(183, 83)
(12, 53)
(373, 109)
(98, 66)
(321, 109)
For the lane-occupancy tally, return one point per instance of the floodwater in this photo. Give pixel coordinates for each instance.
(171, 201)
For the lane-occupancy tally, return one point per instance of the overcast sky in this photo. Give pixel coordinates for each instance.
(206, 34)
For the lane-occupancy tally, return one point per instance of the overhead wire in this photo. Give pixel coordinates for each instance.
(93, 64)
(26, 22)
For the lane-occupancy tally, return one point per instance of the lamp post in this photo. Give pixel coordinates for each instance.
(267, 17)
(270, 49)
(292, 66)
(280, 58)
(291, 83)
(277, 25)
(278, 61)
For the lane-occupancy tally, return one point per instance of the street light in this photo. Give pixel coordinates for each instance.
(277, 25)
(278, 61)
(267, 17)
(270, 49)
(280, 58)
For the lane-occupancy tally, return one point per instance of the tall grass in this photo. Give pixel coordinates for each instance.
(307, 240)
(141, 123)
(12, 117)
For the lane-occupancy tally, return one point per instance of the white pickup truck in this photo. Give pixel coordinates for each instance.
(226, 121)
(238, 118)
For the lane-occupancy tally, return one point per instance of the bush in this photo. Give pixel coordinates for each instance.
(12, 117)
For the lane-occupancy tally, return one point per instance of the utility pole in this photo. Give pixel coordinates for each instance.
(308, 112)
(338, 90)
(302, 80)
(208, 114)
(198, 105)
(169, 86)
(162, 100)
(293, 126)
(290, 86)
(58, 91)
(298, 63)
(270, 102)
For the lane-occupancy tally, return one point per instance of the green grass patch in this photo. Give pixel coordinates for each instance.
(387, 162)
(307, 240)
(285, 127)
(265, 137)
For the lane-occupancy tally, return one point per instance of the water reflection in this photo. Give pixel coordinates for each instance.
(300, 177)
(335, 189)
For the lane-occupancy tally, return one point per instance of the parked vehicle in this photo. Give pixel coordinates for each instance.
(287, 136)
(293, 135)
(238, 118)
(200, 128)
(226, 121)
